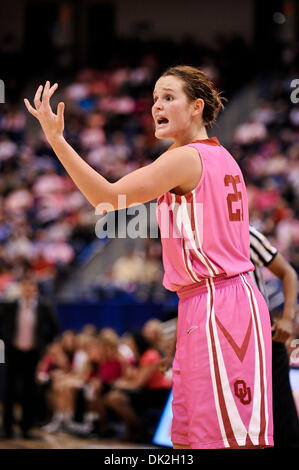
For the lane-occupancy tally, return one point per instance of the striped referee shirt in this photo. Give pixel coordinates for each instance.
(262, 254)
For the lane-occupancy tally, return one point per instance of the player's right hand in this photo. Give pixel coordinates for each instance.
(51, 123)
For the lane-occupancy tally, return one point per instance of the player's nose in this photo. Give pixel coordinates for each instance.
(157, 106)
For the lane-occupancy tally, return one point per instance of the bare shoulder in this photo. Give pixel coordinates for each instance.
(184, 154)
(187, 163)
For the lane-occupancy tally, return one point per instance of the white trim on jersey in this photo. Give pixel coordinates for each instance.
(182, 220)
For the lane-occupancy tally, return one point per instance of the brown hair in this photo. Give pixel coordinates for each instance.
(198, 85)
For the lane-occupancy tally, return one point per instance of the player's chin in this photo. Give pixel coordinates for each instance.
(162, 134)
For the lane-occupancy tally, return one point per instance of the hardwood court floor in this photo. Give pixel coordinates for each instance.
(63, 440)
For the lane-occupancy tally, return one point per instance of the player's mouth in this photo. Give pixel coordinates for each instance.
(161, 122)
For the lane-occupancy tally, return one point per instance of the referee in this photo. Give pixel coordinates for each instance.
(285, 417)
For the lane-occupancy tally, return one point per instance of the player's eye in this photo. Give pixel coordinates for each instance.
(169, 98)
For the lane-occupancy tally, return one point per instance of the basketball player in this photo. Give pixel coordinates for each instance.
(222, 385)
(285, 418)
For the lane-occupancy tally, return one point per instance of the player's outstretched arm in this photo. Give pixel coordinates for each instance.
(173, 168)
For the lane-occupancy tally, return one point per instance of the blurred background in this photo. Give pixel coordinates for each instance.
(106, 56)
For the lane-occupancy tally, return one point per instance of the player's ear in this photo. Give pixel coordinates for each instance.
(198, 106)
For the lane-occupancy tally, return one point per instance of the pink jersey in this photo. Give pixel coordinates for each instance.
(205, 233)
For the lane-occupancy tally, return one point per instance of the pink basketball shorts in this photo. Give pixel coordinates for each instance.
(222, 372)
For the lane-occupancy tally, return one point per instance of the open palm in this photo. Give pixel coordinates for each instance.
(51, 123)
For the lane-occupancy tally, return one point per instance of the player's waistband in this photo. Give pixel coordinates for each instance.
(203, 286)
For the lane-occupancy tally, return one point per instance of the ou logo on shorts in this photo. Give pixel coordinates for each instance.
(241, 391)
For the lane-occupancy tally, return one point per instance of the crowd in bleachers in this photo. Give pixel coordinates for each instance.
(267, 149)
(95, 383)
(45, 222)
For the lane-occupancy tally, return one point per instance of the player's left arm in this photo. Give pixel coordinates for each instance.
(285, 272)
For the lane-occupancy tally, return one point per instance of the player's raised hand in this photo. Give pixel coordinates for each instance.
(51, 123)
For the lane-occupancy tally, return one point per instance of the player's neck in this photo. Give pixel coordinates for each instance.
(188, 137)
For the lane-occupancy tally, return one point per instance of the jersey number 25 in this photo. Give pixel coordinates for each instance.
(234, 197)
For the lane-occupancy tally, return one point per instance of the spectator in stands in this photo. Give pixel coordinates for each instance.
(55, 368)
(27, 326)
(111, 367)
(153, 331)
(127, 270)
(104, 365)
(54, 359)
(89, 330)
(66, 365)
(141, 388)
(80, 356)
(250, 132)
(68, 343)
